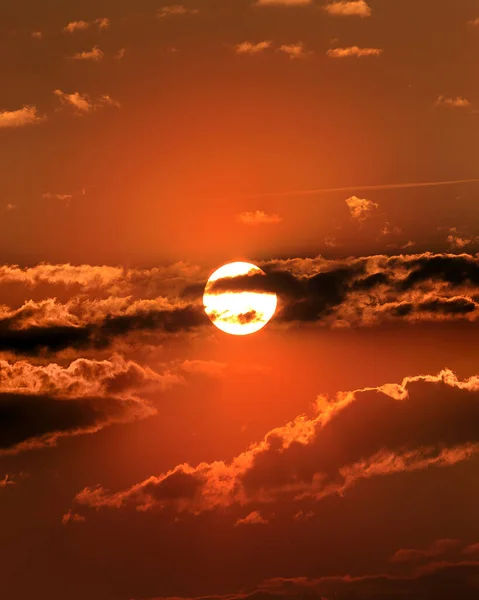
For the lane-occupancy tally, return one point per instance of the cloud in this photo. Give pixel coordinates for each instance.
(120, 54)
(360, 208)
(457, 240)
(252, 48)
(82, 103)
(366, 291)
(47, 326)
(283, 2)
(259, 217)
(27, 115)
(37, 35)
(457, 102)
(436, 549)
(356, 8)
(471, 549)
(7, 481)
(474, 22)
(441, 581)
(426, 421)
(72, 517)
(254, 518)
(95, 54)
(295, 51)
(61, 197)
(175, 10)
(41, 404)
(102, 24)
(353, 51)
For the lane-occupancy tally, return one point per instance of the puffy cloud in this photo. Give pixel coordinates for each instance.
(259, 217)
(254, 518)
(95, 54)
(360, 208)
(40, 404)
(295, 51)
(27, 115)
(82, 104)
(426, 421)
(252, 48)
(353, 51)
(457, 102)
(354, 8)
(175, 10)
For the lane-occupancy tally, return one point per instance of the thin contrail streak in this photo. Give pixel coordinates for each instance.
(356, 188)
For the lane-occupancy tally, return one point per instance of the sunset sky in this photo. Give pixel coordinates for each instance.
(144, 453)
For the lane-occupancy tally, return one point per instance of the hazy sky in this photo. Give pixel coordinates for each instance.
(146, 455)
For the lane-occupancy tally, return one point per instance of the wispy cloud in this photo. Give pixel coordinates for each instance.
(95, 54)
(82, 104)
(353, 51)
(356, 8)
(175, 10)
(119, 54)
(102, 24)
(252, 48)
(61, 197)
(259, 217)
(27, 115)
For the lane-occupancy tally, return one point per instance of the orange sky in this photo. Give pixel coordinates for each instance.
(146, 455)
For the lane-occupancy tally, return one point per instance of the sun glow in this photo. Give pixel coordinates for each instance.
(238, 312)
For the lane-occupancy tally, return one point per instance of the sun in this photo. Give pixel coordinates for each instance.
(233, 310)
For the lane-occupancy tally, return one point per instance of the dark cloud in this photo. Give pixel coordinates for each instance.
(39, 404)
(438, 581)
(425, 421)
(367, 290)
(31, 420)
(36, 339)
